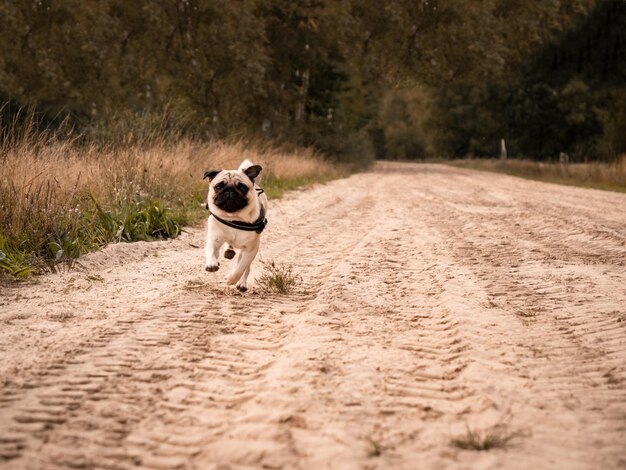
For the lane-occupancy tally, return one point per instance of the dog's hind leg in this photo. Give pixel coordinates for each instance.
(242, 283)
(229, 253)
(240, 272)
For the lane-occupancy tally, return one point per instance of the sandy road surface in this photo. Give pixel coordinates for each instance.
(434, 299)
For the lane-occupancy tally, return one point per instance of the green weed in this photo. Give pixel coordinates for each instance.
(13, 261)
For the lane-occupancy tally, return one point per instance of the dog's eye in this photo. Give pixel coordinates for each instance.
(219, 186)
(242, 187)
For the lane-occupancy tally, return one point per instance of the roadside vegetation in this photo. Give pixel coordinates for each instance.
(63, 197)
(598, 175)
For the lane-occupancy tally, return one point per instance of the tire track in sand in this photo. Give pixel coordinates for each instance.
(557, 272)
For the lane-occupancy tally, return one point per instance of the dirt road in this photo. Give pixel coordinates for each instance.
(435, 300)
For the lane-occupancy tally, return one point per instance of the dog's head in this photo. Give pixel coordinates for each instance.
(232, 190)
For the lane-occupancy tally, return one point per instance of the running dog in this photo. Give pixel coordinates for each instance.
(237, 208)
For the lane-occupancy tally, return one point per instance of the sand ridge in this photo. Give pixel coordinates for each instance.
(433, 299)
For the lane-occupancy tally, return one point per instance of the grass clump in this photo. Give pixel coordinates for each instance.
(143, 221)
(278, 278)
(607, 176)
(495, 437)
(375, 448)
(13, 261)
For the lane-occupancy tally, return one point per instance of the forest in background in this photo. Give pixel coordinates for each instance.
(402, 79)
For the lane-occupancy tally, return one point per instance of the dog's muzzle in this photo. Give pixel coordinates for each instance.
(230, 199)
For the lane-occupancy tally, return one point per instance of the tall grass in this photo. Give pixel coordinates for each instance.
(60, 198)
(608, 176)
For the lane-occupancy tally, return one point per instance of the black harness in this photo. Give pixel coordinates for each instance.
(257, 226)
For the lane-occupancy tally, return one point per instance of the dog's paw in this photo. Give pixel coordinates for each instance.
(229, 253)
(212, 267)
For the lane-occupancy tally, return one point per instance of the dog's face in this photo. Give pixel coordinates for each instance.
(232, 190)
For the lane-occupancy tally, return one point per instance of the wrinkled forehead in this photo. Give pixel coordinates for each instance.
(231, 177)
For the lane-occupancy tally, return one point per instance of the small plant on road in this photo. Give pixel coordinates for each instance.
(495, 437)
(279, 278)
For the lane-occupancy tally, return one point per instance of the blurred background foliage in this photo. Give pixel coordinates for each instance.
(403, 79)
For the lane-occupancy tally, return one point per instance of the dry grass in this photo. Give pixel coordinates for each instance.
(278, 278)
(59, 198)
(607, 176)
(495, 437)
(62, 172)
(375, 447)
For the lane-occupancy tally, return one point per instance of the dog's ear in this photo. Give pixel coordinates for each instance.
(253, 171)
(211, 174)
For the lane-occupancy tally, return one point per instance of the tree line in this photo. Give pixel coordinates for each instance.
(354, 78)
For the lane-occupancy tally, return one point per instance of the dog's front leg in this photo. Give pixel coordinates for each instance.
(212, 252)
(240, 273)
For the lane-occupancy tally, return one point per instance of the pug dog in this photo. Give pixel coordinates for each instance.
(237, 209)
